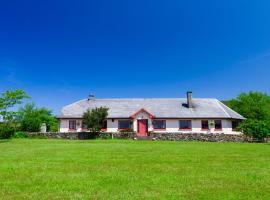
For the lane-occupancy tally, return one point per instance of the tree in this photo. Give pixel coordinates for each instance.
(31, 118)
(255, 106)
(8, 100)
(94, 119)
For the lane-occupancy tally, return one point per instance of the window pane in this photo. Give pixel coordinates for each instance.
(124, 124)
(72, 124)
(104, 126)
(205, 124)
(185, 124)
(159, 124)
(235, 124)
(218, 124)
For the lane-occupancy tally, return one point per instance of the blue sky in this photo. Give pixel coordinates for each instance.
(60, 51)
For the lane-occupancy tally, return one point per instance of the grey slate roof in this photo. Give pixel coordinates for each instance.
(159, 107)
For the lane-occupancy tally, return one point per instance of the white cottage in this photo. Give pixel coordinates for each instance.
(178, 115)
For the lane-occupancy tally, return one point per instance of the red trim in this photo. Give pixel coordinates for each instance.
(205, 129)
(122, 129)
(72, 129)
(84, 129)
(142, 110)
(220, 129)
(185, 129)
(104, 129)
(159, 129)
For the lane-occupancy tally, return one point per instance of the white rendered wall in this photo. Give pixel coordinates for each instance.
(172, 125)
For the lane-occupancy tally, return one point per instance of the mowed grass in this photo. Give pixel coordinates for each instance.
(122, 169)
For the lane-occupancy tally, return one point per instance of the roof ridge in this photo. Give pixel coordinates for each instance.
(218, 102)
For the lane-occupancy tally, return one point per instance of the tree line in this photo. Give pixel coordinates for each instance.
(26, 118)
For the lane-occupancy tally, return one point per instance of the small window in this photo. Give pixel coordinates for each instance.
(218, 124)
(185, 124)
(205, 125)
(104, 126)
(159, 124)
(124, 124)
(72, 124)
(235, 124)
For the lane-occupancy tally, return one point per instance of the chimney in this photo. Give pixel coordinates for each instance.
(91, 97)
(189, 99)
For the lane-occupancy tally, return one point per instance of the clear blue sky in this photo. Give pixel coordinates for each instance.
(60, 51)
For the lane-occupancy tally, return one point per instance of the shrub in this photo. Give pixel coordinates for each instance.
(105, 135)
(20, 134)
(6, 131)
(255, 128)
(95, 119)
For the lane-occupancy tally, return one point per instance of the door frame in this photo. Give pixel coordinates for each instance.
(146, 127)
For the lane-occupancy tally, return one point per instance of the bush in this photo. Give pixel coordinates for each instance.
(6, 131)
(20, 134)
(105, 135)
(255, 128)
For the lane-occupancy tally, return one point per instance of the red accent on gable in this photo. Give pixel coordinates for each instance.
(143, 110)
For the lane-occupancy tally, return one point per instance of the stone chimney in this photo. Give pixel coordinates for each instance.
(189, 99)
(91, 97)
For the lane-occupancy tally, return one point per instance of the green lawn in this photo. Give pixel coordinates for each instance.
(119, 169)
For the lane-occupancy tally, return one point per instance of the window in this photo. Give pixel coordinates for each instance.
(159, 124)
(185, 124)
(104, 126)
(218, 125)
(124, 124)
(205, 125)
(235, 124)
(72, 125)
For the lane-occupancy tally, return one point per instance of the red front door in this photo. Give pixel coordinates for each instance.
(142, 127)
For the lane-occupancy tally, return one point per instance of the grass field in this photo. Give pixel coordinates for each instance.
(119, 169)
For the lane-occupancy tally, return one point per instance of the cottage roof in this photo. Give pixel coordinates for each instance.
(158, 107)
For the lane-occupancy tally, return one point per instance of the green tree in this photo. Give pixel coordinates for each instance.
(8, 100)
(94, 119)
(255, 106)
(31, 118)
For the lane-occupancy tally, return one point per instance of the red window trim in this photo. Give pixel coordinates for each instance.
(218, 129)
(104, 129)
(159, 129)
(72, 129)
(185, 129)
(122, 129)
(84, 129)
(205, 129)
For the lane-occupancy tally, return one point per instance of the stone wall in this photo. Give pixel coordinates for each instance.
(80, 135)
(200, 137)
(154, 136)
